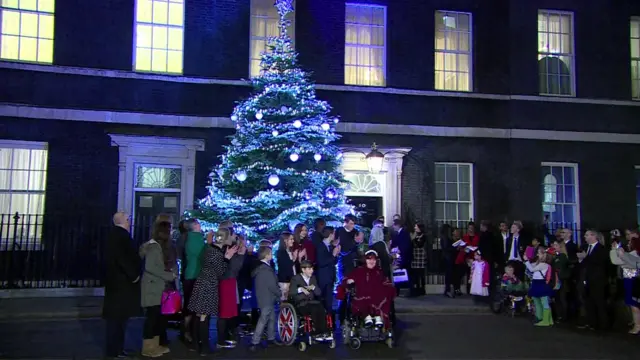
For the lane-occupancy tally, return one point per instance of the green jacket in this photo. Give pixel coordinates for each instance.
(155, 277)
(193, 249)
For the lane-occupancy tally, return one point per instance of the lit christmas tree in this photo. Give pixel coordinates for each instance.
(282, 166)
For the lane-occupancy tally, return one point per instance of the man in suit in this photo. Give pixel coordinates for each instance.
(305, 294)
(575, 284)
(122, 287)
(595, 262)
(516, 246)
(326, 257)
(402, 241)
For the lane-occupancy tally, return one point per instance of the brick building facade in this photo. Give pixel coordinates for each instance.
(501, 147)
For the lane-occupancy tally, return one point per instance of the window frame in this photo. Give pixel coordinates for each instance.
(576, 180)
(31, 244)
(572, 55)
(135, 39)
(456, 52)
(634, 19)
(384, 47)
(471, 202)
(53, 39)
(266, 38)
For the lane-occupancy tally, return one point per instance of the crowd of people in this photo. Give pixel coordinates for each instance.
(567, 280)
(213, 270)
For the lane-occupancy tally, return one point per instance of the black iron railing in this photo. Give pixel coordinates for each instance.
(54, 251)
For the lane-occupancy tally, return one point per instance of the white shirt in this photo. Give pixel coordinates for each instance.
(514, 253)
(307, 281)
(539, 270)
(505, 236)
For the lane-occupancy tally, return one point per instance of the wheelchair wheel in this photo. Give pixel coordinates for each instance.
(355, 343)
(288, 324)
(302, 346)
(346, 331)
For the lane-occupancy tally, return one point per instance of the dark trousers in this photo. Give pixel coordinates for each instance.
(448, 275)
(596, 306)
(417, 280)
(115, 337)
(316, 311)
(223, 327)
(155, 324)
(326, 289)
(561, 300)
(459, 271)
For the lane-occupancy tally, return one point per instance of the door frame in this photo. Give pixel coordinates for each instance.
(155, 151)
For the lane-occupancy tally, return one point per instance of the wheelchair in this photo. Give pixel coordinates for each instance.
(511, 304)
(294, 328)
(355, 332)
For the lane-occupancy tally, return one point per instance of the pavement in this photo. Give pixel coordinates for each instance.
(419, 336)
(91, 307)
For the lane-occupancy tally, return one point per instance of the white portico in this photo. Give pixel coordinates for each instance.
(369, 189)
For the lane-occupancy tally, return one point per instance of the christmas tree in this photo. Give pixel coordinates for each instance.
(282, 166)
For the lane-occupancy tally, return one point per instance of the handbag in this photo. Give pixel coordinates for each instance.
(171, 302)
(400, 276)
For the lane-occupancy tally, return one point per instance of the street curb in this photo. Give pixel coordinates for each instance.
(97, 313)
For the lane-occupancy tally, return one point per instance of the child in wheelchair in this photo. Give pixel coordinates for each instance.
(306, 297)
(513, 292)
(373, 293)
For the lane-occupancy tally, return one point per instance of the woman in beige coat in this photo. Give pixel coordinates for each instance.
(153, 282)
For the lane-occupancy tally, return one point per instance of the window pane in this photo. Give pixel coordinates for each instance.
(439, 211)
(175, 14)
(11, 22)
(463, 212)
(159, 60)
(451, 173)
(143, 59)
(45, 26)
(440, 172)
(175, 39)
(160, 12)
(159, 37)
(29, 24)
(465, 192)
(144, 10)
(464, 173)
(143, 36)
(45, 51)
(451, 191)
(10, 47)
(450, 211)
(440, 191)
(174, 62)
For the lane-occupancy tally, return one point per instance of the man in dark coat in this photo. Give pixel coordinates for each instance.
(122, 287)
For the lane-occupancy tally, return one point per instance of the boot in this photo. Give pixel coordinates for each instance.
(161, 348)
(204, 346)
(149, 349)
(547, 319)
(538, 310)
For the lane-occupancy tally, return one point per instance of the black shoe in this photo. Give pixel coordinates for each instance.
(253, 348)
(275, 343)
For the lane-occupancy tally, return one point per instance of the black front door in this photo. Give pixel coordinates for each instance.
(150, 204)
(369, 207)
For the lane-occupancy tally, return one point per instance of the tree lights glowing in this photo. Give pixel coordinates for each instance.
(282, 165)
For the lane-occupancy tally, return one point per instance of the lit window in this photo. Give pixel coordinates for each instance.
(454, 193)
(453, 51)
(23, 177)
(556, 59)
(560, 199)
(159, 35)
(264, 24)
(27, 30)
(365, 45)
(635, 58)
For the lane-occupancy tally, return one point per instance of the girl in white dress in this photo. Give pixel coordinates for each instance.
(479, 276)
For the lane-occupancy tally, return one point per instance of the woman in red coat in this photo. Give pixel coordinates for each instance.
(374, 292)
